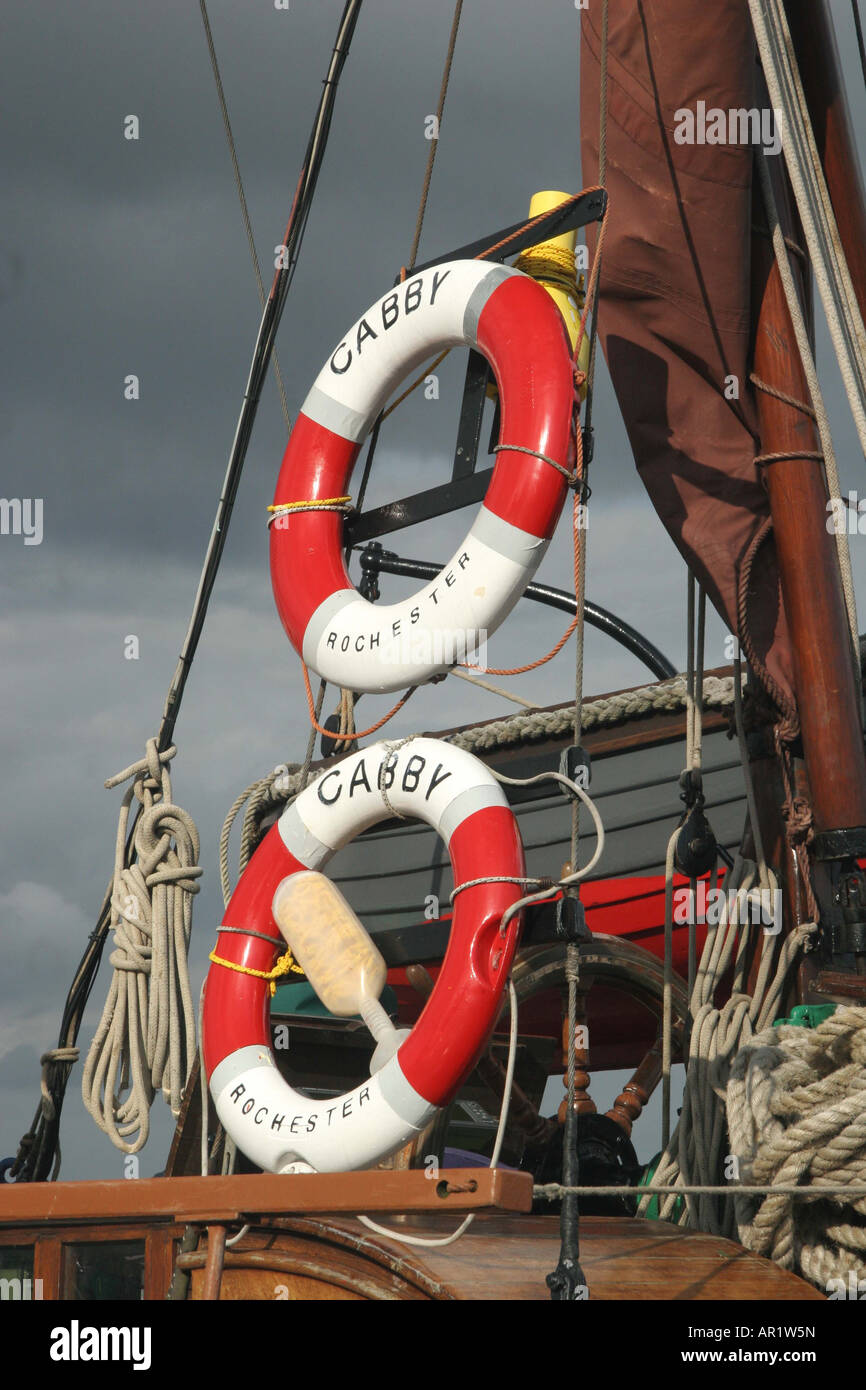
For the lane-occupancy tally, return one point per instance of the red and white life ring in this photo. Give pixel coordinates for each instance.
(275, 1126)
(511, 320)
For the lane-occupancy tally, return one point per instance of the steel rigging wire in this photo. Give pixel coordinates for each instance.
(38, 1156)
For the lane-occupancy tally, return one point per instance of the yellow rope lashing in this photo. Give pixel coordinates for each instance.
(286, 965)
(555, 266)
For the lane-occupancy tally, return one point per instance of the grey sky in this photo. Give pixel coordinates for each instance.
(121, 257)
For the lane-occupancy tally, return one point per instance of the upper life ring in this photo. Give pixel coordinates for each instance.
(275, 1126)
(514, 322)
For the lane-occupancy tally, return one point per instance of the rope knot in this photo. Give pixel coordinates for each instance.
(798, 818)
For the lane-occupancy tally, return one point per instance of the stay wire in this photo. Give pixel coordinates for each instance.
(39, 1146)
(413, 254)
(861, 46)
(434, 143)
(567, 1282)
(239, 184)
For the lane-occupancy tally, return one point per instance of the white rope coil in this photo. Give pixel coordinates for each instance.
(146, 1036)
(796, 1103)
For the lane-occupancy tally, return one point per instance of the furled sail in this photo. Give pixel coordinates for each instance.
(675, 319)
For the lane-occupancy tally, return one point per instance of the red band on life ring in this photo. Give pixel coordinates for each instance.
(456, 794)
(513, 321)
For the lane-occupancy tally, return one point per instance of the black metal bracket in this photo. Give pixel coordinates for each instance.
(376, 561)
(589, 207)
(841, 844)
(467, 486)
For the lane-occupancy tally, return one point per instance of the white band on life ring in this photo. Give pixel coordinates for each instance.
(513, 321)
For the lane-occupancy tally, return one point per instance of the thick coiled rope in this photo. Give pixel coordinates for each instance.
(796, 1103)
(698, 1147)
(146, 1036)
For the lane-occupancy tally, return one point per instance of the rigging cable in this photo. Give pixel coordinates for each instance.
(38, 1154)
(419, 223)
(428, 172)
(567, 1282)
(239, 184)
(815, 207)
(858, 25)
(822, 421)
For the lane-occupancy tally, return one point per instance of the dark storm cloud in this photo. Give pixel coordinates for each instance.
(121, 257)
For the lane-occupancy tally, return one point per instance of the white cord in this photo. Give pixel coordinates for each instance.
(497, 1147)
(203, 1089)
(570, 878)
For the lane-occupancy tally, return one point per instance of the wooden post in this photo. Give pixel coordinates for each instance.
(827, 694)
(583, 1102)
(814, 40)
(213, 1271)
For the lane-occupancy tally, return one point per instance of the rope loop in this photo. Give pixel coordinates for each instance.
(145, 1039)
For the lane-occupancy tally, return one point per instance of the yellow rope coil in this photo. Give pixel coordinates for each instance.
(286, 965)
(555, 266)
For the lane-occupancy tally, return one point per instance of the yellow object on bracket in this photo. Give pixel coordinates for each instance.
(552, 264)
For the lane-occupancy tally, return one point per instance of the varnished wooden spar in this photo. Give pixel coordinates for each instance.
(241, 1195)
(828, 698)
(814, 39)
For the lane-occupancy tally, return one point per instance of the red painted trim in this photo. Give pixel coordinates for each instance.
(236, 1008)
(459, 1015)
(521, 333)
(307, 547)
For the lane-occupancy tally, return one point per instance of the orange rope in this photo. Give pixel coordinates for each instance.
(356, 734)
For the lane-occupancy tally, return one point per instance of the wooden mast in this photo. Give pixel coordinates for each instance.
(817, 53)
(827, 687)
(828, 699)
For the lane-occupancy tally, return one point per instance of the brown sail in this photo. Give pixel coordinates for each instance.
(675, 320)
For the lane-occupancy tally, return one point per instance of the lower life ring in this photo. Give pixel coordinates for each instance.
(278, 1128)
(512, 320)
